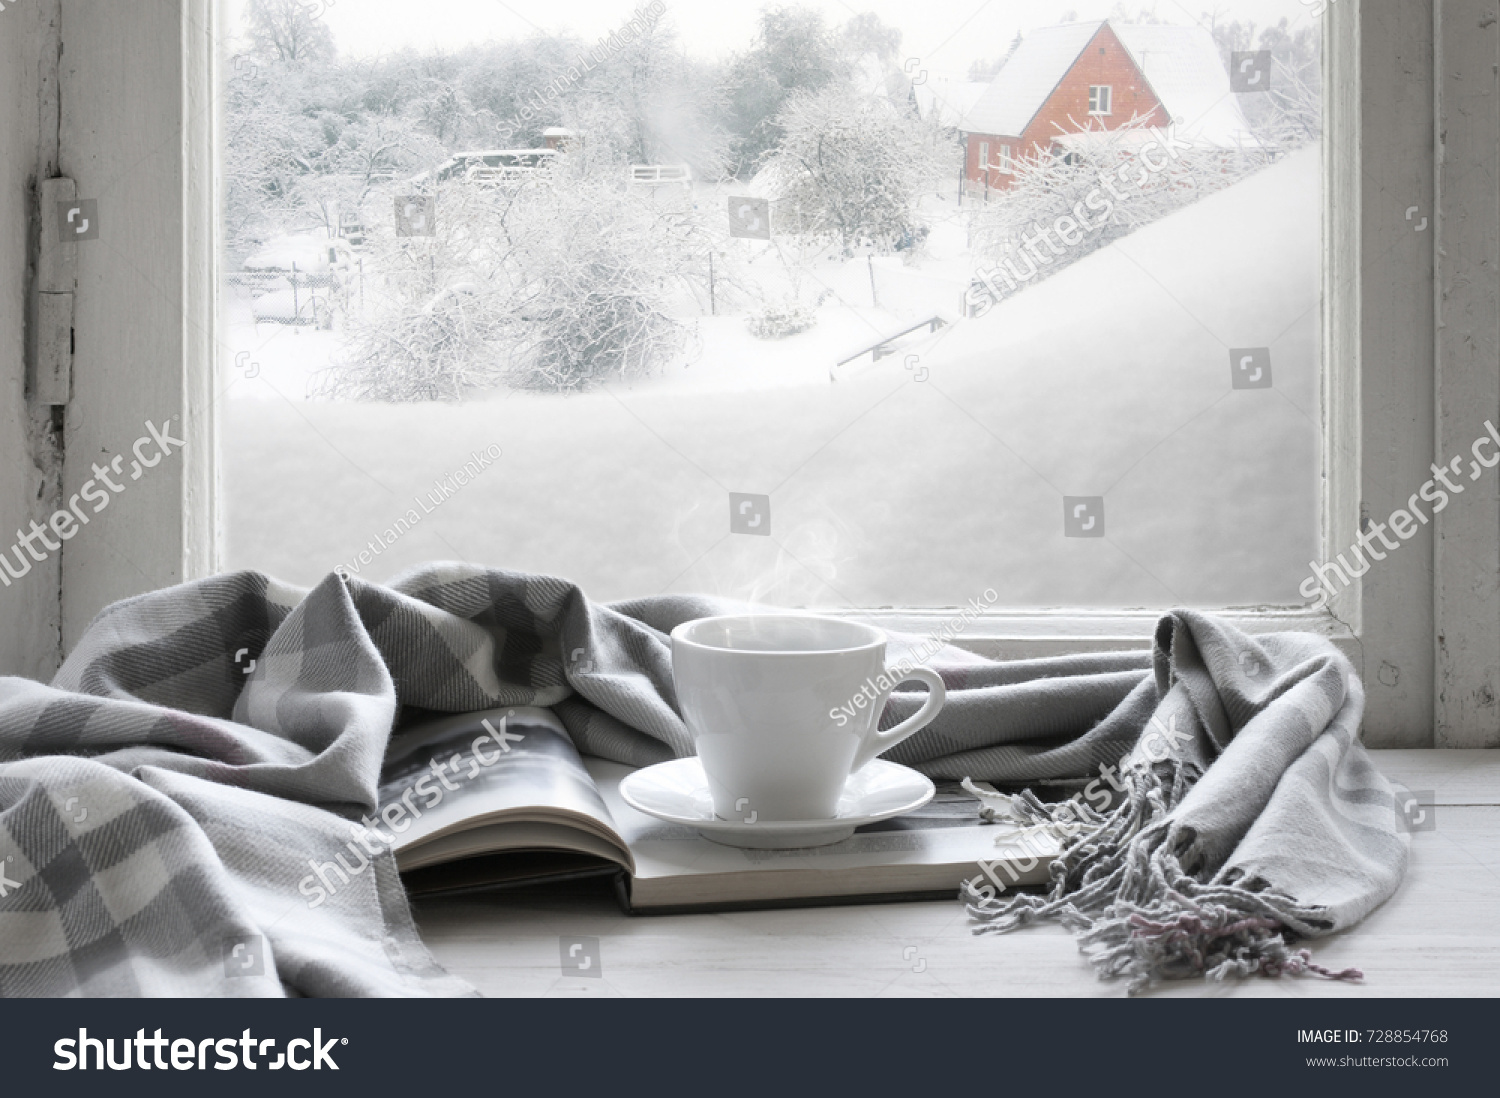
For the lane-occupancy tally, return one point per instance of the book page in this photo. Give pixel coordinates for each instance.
(481, 771)
(508, 838)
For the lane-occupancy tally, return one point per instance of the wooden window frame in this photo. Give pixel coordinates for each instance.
(1105, 92)
(1396, 391)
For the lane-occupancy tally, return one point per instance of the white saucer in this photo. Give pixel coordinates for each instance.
(677, 792)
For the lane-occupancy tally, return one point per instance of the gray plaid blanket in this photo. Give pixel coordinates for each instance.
(160, 800)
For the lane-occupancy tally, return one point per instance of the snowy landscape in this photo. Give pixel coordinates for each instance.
(637, 351)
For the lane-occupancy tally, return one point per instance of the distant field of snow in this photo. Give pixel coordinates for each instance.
(914, 482)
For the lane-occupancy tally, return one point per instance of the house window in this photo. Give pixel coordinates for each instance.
(984, 159)
(1099, 99)
(1005, 166)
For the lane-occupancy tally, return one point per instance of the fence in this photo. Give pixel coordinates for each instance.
(296, 297)
(656, 174)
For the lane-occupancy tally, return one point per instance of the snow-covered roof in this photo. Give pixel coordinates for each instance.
(473, 153)
(1181, 64)
(1026, 81)
(1183, 67)
(948, 99)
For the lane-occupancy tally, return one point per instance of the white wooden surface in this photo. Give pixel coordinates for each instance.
(136, 137)
(1385, 410)
(29, 465)
(1440, 935)
(1467, 565)
(1029, 634)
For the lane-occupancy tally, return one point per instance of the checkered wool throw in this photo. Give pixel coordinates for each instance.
(161, 799)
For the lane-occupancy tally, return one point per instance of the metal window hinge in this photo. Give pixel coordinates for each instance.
(57, 278)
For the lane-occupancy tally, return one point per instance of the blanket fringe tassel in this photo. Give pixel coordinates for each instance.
(1120, 885)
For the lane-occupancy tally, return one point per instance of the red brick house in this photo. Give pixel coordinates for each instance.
(1100, 75)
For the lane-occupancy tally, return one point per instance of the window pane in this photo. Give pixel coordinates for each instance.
(713, 298)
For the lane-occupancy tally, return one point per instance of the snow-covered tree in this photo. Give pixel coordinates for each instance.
(360, 157)
(985, 70)
(1290, 113)
(288, 31)
(647, 103)
(853, 167)
(1121, 13)
(794, 52)
(865, 33)
(259, 139)
(301, 145)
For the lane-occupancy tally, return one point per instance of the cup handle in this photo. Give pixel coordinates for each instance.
(937, 693)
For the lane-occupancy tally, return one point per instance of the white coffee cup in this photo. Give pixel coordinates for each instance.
(784, 707)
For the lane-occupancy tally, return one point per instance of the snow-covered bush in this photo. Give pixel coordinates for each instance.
(852, 167)
(591, 270)
(434, 307)
(1091, 189)
(438, 352)
(555, 283)
(779, 320)
(1292, 115)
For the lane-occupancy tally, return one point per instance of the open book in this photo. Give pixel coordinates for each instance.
(501, 798)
